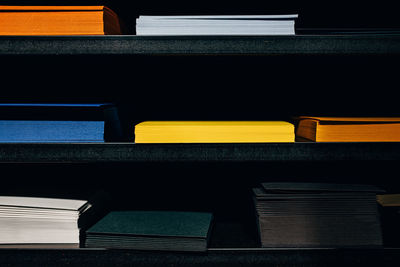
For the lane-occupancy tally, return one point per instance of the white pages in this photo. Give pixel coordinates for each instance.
(216, 25)
(27, 221)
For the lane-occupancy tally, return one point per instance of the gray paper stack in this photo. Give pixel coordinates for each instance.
(317, 215)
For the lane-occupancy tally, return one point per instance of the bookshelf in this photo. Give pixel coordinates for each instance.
(343, 66)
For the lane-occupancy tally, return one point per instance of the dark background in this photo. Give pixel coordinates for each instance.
(315, 14)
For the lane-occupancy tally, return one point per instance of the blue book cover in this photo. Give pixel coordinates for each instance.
(12, 131)
(59, 122)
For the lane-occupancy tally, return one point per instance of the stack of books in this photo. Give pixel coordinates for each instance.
(53, 122)
(28, 222)
(214, 132)
(58, 20)
(348, 129)
(151, 230)
(317, 215)
(216, 25)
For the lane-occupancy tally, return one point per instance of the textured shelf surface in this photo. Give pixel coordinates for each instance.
(303, 44)
(253, 152)
(220, 258)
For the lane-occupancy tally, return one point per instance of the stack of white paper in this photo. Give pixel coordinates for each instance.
(40, 222)
(216, 25)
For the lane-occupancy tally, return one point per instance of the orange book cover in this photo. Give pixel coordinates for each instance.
(348, 129)
(58, 20)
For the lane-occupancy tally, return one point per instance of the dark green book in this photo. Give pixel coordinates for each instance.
(151, 230)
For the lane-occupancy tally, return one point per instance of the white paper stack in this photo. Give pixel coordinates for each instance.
(40, 222)
(217, 25)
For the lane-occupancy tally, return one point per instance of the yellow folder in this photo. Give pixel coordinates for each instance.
(214, 132)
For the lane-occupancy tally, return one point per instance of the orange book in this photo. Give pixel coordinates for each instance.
(58, 20)
(348, 129)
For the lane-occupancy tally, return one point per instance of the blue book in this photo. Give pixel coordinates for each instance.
(43, 123)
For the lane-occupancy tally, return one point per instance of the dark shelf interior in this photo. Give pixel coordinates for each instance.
(223, 188)
(209, 88)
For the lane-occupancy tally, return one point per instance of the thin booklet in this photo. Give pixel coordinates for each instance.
(217, 25)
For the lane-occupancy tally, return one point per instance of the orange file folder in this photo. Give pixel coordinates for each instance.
(348, 129)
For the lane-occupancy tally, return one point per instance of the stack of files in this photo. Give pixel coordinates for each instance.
(44, 123)
(313, 215)
(214, 132)
(348, 129)
(151, 230)
(58, 20)
(216, 25)
(28, 222)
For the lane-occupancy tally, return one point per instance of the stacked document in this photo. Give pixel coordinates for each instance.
(216, 25)
(348, 129)
(214, 132)
(40, 222)
(151, 230)
(317, 215)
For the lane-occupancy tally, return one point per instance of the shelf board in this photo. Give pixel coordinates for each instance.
(220, 258)
(302, 44)
(229, 152)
